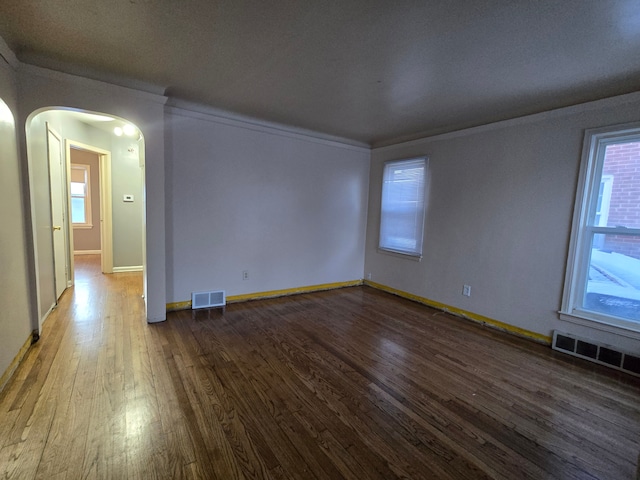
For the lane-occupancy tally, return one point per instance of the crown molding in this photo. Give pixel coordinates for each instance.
(7, 54)
(609, 102)
(90, 83)
(211, 114)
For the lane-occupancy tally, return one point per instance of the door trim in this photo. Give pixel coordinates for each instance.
(106, 214)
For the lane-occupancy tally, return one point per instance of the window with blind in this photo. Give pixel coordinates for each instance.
(403, 206)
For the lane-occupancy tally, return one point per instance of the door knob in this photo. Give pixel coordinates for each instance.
(57, 227)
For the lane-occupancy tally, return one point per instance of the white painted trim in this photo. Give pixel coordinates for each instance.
(599, 325)
(526, 119)
(89, 83)
(577, 259)
(571, 268)
(106, 214)
(87, 252)
(132, 268)
(46, 316)
(210, 114)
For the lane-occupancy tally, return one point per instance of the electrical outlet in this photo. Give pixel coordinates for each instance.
(245, 275)
(369, 276)
(466, 290)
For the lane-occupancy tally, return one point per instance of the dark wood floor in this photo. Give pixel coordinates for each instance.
(351, 383)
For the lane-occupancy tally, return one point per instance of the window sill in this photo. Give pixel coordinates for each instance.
(84, 226)
(606, 324)
(406, 256)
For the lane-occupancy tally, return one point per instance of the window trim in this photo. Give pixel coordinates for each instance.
(417, 255)
(88, 223)
(591, 164)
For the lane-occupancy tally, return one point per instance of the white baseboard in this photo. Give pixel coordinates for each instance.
(87, 252)
(132, 268)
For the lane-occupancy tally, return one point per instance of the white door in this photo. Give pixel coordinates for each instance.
(58, 208)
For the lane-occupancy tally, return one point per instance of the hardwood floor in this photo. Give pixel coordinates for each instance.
(350, 383)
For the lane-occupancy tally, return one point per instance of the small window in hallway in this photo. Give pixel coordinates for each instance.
(80, 195)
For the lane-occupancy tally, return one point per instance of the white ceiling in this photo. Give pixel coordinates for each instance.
(104, 123)
(375, 71)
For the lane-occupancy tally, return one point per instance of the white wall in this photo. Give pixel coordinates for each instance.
(126, 178)
(128, 217)
(289, 209)
(39, 193)
(15, 319)
(498, 218)
(40, 88)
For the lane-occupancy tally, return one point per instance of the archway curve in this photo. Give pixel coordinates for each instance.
(93, 131)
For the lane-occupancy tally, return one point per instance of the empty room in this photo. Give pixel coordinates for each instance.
(320, 240)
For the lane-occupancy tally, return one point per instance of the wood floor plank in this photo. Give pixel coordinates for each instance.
(344, 384)
(52, 461)
(283, 395)
(263, 422)
(319, 382)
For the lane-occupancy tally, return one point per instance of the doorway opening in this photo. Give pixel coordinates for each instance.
(90, 203)
(56, 139)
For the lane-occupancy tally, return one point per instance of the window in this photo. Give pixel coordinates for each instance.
(80, 196)
(402, 212)
(603, 274)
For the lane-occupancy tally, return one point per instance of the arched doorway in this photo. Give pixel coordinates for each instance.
(53, 134)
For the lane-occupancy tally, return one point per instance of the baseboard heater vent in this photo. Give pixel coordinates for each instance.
(207, 299)
(603, 354)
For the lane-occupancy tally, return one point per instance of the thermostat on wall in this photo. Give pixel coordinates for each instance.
(127, 198)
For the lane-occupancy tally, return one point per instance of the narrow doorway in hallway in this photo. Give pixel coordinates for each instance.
(85, 201)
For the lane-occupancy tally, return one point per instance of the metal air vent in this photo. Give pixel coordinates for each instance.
(595, 352)
(207, 299)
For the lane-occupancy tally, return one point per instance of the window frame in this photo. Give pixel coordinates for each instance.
(88, 223)
(419, 239)
(578, 259)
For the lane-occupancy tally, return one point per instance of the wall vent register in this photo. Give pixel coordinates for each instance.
(207, 299)
(595, 352)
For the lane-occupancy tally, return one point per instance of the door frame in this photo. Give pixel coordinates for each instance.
(106, 214)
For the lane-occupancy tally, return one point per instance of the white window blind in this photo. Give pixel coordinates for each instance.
(403, 206)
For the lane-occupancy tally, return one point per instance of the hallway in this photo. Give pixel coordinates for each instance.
(74, 404)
